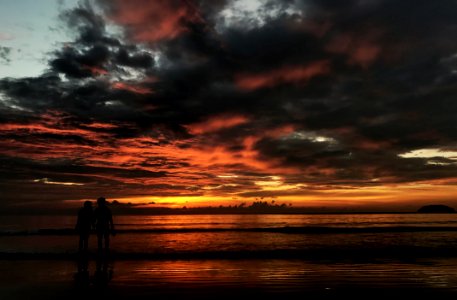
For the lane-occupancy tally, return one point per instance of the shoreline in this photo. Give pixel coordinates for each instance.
(320, 254)
(284, 230)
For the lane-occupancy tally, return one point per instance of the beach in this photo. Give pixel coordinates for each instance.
(211, 257)
(209, 279)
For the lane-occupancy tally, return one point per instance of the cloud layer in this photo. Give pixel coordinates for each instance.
(181, 100)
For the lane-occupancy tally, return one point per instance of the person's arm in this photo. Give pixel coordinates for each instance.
(78, 221)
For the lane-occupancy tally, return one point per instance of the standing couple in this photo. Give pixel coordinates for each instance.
(100, 218)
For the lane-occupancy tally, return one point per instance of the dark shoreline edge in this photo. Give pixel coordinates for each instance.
(285, 230)
(332, 254)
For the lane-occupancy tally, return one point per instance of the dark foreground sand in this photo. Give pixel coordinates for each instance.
(226, 279)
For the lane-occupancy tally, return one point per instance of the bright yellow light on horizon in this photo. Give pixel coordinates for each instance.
(179, 201)
(300, 195)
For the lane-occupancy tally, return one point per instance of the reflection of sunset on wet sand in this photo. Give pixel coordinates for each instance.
(224, 279)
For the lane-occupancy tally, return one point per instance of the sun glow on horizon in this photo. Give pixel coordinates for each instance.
(397, 195)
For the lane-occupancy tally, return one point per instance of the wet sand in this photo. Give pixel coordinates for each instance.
(216, 279)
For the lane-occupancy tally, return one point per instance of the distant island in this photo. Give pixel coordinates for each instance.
(436, 209)
(257, 207)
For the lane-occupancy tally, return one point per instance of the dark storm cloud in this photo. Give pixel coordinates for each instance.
(76, 65)
(142, 60)
(89, 26)
(5, 53)
(359, 82)
(95, 52)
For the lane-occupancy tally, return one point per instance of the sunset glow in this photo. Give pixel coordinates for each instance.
(194, 103)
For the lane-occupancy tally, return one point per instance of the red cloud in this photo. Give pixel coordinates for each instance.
(361, 50)
(151, 21)
(131, 88)
(216, 123)
(98, 125)
(95, 70)
(53, 137)
(289, 74)
(364, 55)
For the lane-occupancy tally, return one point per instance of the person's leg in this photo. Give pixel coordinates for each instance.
(106, 240)
(100, 240)
(86, 241)
(81, 243)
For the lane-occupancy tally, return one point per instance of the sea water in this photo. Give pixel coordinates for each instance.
(206, 234)
(212, 256)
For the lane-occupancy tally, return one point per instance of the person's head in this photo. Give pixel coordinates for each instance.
(101, 201)
(87, 204)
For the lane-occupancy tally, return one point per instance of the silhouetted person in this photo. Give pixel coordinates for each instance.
(103, 223)
(84, 225)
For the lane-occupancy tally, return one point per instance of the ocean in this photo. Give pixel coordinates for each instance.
(243, 234)
(200, 254)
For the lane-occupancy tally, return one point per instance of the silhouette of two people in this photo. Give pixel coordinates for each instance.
(101, 219)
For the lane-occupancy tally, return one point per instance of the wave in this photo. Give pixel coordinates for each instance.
(284, 230)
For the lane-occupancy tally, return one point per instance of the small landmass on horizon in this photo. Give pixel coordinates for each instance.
(436, 208)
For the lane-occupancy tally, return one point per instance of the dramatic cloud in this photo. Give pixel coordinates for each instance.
(151, 21)
(300, 100)
(216, 123)
(281, 76)
(5, 53)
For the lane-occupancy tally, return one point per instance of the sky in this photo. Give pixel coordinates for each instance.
(317, 103)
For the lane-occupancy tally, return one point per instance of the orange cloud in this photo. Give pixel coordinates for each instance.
(365, 55)
(54, 122)
(32, 145)
(131, 88)
(101, 125)
(39, 128)
(53, 137)
(216, 123)
(289, 74)
(151, 21)
(196, 168)
(362, 51)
